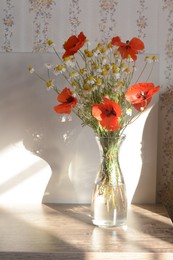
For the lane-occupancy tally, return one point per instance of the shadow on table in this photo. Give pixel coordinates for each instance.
(75, 211)
(28, 236)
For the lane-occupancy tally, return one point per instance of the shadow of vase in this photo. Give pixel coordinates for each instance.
(138, 157)
(61, 144)
(146, 187)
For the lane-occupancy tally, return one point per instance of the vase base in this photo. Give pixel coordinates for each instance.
(107, 223)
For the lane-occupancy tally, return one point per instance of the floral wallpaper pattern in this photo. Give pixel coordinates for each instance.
(42, 14)
(8, 23)
(165, 174)
(165, 169)
(142, 20)
(107, 23)
(74, 11)
(168, 8)
(105, 16)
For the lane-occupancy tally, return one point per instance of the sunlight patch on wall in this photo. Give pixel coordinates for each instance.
(23, 175)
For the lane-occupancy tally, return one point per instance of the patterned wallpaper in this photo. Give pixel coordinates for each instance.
(25, 26)
(7, 21)
(165, 152)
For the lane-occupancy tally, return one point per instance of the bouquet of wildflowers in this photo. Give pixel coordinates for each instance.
(99, 89)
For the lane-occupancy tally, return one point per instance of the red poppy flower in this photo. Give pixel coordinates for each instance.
(68, 102)
(73, 44)
(141, 94)
(129, 47)
(107, 114)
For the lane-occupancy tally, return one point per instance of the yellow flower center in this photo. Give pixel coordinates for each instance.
(115, 71)
(154, 58)
(50, 42)
(59, 67)
(49, 83)
(103, 50)
(87, 88)
(128, 70)
(104, 73)
(89, 54)
(98, 81)
(107, 66)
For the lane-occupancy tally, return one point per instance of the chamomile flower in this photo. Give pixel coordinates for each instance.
(98, 68)
(69, 61)
(129, 58)
(96, 52)
(89, 54)
(91, 80)
(87, 88)
(123, 66)
(74, 74)
(50, 84)
(59, 69)
(51, 43)
(83, 71)
(154, 58)
(116, 73)
(107, 67)
(48, 66)
(148, 59)
(104, 73)
(98, 81)
(128, 70)
(31, 69)
(104, 60)
(129, 111)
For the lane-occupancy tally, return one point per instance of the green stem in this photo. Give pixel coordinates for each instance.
(150, 71)
(57, 54)
(142, 72)
(130, 122)
(39, 76)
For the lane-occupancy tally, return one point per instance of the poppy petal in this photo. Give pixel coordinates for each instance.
(107, 114)
(110, 123)
(117, 41)
(63, 108)
(128, 48)
(64, 95)
(68, 102)
(70, 42)
(73, 44)
(97, 111)
(136, 44)
(140, 94)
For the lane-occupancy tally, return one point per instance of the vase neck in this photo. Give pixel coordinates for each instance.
(109, 147)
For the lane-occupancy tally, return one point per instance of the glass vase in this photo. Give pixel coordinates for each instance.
(109, 200)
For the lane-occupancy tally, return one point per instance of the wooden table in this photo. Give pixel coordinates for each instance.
(66, 232)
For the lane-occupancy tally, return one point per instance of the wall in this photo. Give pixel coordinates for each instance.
(34, 141)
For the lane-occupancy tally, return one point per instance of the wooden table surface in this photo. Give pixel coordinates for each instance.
(57, 231)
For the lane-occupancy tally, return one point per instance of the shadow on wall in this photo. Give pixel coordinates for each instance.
(146, 188)
(71, 153)
(33, 136)
(138, 157)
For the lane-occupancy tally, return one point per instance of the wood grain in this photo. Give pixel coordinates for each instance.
(57, 231)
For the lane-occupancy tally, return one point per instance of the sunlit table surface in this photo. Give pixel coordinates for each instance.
(61, 231)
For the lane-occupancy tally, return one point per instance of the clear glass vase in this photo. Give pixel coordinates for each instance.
(109, 200)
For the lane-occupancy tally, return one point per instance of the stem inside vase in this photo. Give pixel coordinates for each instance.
(109, 200)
